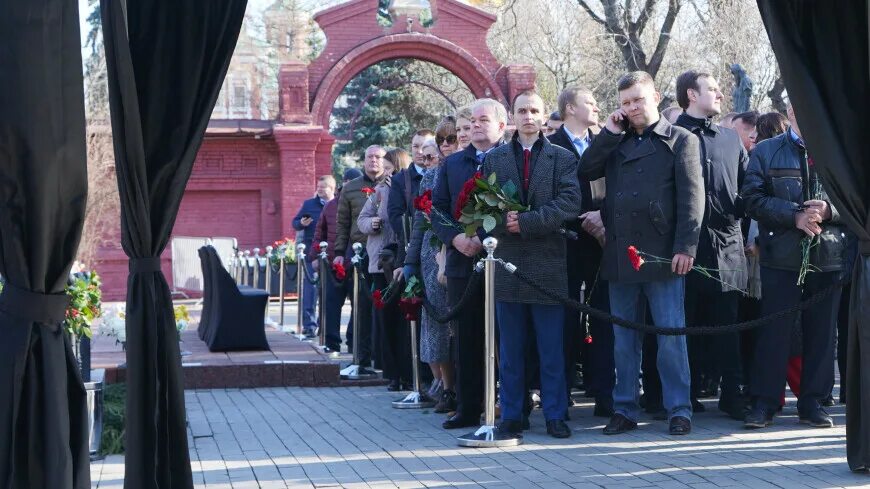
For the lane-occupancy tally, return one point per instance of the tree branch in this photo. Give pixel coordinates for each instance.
(640, 24)
(655, 61)
(591, 12)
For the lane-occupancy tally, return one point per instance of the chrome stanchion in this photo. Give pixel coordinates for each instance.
(256, 267)
(268, 273)
(321, 333)
(355, 371)
(238, 275)
(246, 262)
(284, 328)
(487, 435)
(300, 291)
(416, 399)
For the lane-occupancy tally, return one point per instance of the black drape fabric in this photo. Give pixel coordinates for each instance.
(166, 63)
(43, 190)
(823, 55)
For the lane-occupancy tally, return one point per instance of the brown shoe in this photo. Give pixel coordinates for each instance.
(619, 424)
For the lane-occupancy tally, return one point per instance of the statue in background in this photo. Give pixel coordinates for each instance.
(742, 93)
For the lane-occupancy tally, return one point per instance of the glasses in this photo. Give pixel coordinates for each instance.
(450, 139)
(429, 157)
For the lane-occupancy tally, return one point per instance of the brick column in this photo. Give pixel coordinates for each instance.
(323, 155)
(296, 150)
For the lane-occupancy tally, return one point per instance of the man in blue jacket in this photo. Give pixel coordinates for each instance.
(303, 223)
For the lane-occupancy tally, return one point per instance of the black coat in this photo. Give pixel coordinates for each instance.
(401, 201)
(774, 187)
(723, 165)
(655, 197)
(553, 196)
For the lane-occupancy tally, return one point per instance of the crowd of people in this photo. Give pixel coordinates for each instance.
(678, 218)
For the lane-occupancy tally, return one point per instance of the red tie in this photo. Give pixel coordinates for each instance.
(527, 156)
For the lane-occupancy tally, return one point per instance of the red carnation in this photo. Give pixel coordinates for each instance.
(338, 270)
(378, 299)
(635, 258)
(424, 202)
(588, 339)
(315, 248)
(368, 190)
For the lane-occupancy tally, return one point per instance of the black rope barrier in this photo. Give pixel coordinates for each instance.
(691, 330)
(471, 291)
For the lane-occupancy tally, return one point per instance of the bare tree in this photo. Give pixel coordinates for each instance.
(627, 27)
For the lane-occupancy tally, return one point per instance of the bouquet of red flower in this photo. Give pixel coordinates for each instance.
(378, 296)
(423, 203)
(338, 270)
(371, 194)
(412, 299)
(482, 203)
(639, 258)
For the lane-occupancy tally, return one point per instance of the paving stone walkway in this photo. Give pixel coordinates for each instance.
(351, 437)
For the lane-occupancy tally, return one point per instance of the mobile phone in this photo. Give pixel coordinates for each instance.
(306, 216)
(623, 123)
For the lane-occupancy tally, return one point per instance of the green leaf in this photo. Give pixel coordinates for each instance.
(471, 229)
(510, 190)
(491, 199)
(489, 223)
(482, 184)
(491, 178)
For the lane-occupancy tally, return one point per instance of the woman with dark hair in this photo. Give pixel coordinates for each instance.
(769, 125)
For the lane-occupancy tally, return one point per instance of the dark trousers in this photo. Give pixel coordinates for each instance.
(336, 295)
(843, 338)
(469, 331)
(394, 337)
(364, 316)
(713, 355)
(599, 370)
(543, 321)
(779, 290)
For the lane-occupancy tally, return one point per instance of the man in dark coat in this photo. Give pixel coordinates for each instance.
(654, 202)
(404, 188)
(304, 223)
(580, 113)
(488, 119)
(783, 192)
(546, 178)
(723, 164)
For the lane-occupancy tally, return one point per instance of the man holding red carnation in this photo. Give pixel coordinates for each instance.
(488, 121)
(545, 177)
(654, 200)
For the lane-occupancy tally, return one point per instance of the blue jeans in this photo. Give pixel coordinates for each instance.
(665, 299)
(309, 300)
(547, 322)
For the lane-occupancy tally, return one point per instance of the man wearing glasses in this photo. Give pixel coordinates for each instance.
(405, 186)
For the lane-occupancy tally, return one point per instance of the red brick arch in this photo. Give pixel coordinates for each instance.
(415, 46)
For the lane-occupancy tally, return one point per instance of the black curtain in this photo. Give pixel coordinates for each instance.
(166, 63)
(822, 49)
(43, 191)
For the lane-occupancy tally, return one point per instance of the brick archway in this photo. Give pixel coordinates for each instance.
(415, 46)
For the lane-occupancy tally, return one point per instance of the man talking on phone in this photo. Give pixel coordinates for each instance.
(655, 202)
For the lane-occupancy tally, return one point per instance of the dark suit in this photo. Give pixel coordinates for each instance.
(723, 164)
(468, 344)
(405, 186)
(538, 250)
(583, 264)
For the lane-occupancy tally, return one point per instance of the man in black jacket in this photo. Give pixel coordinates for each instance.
(404, 188)
(654, 202)
(580, 113)
(488, 121)
(783, 192)
(720, 247)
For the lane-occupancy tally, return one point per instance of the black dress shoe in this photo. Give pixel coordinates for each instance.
(558, 429)
(510, 428)
(758, 417)
(818, 419)
(680, 425)
(734, 407)
(697, 407)
(828, 401)
(460, 421)
(394, 386)
(603, 408)
(619, 424)
(447, 402)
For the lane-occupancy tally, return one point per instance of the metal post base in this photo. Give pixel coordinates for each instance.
(355, 372)
(489, 436)
(414, 400)
(301, 337)
(332, 353)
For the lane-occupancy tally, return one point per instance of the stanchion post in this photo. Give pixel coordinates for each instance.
(281, 265)
(416, 399)
(323, 295)
(268, 275)
(238, 276)
(300, 290)
(246, 260)
(355, 371)
(256, 267)
(488, 435)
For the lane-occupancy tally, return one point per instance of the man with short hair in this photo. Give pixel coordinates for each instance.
(405, 187)
(654, 202)
(546, 179)
(785, 194)
(744, 124)
(305, 222)
(488, 120)
(727, 120)
(720, 247)
(553, 123)
(350, 204)
(580, 113)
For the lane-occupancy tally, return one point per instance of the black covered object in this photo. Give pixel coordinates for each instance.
(166, 62)
(232, 316)
(43, 190)
(823, 56)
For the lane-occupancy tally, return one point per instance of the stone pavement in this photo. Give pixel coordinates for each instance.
(350, 437)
